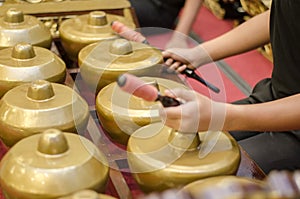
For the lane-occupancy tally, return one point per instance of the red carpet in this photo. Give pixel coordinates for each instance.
(208, 26)
(251, 66)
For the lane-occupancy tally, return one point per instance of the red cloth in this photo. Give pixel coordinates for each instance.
(3, 150)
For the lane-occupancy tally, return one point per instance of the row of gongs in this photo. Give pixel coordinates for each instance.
(37, 113)
(34, 164)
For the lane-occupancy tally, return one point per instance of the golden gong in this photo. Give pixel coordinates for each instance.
(101, 63)
(15, 27)
(161, 158)
(227, 187)
(51, 165)
(34, 107)
(87, 194)
(24, 63)
(121, 113)
(78, 32)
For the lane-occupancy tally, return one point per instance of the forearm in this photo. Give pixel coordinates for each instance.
(247, 36)
(278, 115)
(189, 13)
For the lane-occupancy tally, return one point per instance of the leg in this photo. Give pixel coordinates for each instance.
(274, 150)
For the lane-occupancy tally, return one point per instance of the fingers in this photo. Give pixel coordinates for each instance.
(181, 68)
(174, 55)
(174, 113)
(168, 120)
(186, 95)
(170, 113)
(175, 62)
(166, 54)
(182, 118)
(175, 65)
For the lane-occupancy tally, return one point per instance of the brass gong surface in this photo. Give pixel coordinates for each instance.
(24, 63)
(121, 113)
(88, 194)
(52, 164)
(102, 63)
(230, 187)
(157, 165)
(31, 108)
(76, 33)
(15, 27)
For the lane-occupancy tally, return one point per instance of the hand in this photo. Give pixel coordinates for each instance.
(198, 113)
(180, 58)
(173, 64)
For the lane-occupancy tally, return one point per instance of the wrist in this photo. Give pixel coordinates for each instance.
(200, 56)
(234, 119)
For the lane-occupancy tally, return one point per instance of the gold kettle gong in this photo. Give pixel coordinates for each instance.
(52, 164)
(88, 194)
(227, 187)
(78, 32)
(101, 63)
(34, 107)
(24, 63)
(161, 158)
(15, 27)
(121, 113)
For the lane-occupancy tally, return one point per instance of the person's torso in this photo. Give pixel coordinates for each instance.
(285, 40)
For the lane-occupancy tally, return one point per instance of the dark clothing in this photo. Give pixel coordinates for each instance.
(270, 150)
(157, 13)
(285, 31)
(278, 150)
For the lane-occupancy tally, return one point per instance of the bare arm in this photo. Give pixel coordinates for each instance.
(185, 23)
(278, 115)
(201, 113)
(189, 13)
(247, 36)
